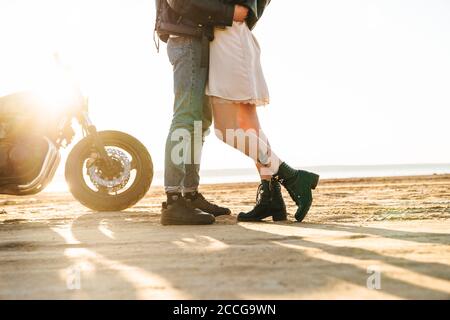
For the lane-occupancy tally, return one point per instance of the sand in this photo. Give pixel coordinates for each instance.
(377, 238)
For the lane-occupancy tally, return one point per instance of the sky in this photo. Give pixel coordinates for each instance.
(352, 82)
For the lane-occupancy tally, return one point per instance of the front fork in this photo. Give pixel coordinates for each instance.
(91, 131)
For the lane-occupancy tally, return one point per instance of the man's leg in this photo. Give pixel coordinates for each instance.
(189, 81)
(192, 119)
(189, 85)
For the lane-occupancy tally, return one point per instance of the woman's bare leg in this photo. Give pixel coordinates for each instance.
(237, 124)
(299, 183)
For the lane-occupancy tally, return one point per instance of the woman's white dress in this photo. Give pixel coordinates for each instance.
(235, 72)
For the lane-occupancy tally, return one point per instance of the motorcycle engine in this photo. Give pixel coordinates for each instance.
(23, 146)
(22, 158)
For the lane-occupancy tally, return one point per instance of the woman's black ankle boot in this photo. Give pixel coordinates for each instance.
(269, 202)
(277, 205)
(299, 184)
(262, 207)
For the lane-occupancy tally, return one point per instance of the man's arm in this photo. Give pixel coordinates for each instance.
(210, 12)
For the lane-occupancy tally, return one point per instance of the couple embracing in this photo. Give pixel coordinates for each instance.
(218, 75)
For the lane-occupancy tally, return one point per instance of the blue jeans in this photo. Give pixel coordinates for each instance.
(192, 115)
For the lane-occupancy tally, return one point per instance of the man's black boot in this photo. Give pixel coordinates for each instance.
(265, 205)
(178, 212)
(277, 205)
(198, 201)
(299, 184)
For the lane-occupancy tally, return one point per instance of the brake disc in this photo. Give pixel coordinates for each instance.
(119, 180)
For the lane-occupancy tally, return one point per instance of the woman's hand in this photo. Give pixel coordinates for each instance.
(240, 13)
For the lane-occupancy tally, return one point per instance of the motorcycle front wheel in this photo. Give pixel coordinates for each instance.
(113, 186)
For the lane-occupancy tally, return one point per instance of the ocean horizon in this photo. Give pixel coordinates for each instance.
(217, 176)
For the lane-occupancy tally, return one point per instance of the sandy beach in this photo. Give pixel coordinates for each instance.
(376, 238)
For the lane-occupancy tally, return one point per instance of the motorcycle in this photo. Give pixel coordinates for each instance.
(105, 170)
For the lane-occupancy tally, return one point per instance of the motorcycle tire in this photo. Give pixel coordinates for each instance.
(106, 202)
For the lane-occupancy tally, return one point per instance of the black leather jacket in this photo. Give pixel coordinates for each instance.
(198, 17)
(192, 17)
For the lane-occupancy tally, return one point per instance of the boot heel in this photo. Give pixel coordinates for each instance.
(314, 180)
(279, 216)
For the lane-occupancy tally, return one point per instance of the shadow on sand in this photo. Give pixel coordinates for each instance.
(135, 257)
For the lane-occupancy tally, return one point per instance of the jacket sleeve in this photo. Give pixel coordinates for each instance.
(254, 16)
(262, 5)
(209, 12)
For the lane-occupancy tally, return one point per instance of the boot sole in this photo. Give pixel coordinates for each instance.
(227, 213)
(262, 220)
(251, 220)
(275, 218)
(240, 219)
